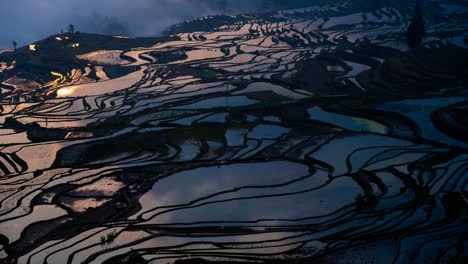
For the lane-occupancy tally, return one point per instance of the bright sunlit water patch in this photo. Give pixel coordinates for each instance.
(64, 92)
(347, 122)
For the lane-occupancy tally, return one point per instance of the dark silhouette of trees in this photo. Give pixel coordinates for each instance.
(416, 30)
(71, 28)
(15, 45)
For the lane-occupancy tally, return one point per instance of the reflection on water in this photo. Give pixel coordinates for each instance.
(99, 88)
(233, 101)
(39, 213)
(347, 122)
(13, 138)
(235, 137)
(268, 132)
(203, 181)
(64, 92)
(420, 110)
(272, 190)
(38, 156)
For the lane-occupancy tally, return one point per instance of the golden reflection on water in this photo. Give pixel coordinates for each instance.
(56, 81)
(372, 126)
(63, 92)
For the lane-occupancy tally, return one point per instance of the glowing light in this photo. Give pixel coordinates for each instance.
(56, 81)
(32, 47)
(64, 92)
(57, 74)
(58, 38)
(75, 45)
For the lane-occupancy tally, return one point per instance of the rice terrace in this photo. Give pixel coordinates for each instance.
(305, 131)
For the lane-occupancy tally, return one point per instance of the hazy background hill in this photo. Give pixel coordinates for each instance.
(29, 20)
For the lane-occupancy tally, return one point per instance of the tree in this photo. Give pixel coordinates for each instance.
(71, 28)
(416, 30)
(14, 45)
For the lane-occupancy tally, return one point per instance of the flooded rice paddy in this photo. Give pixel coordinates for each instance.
(215, 154)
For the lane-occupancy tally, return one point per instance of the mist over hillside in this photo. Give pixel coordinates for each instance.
(26, 21)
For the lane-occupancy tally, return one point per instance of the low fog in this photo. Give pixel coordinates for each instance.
(26, 21)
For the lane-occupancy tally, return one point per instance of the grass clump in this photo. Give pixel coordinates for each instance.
(109, 238)
(366, 201)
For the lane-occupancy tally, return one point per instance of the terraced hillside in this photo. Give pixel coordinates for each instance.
(312, 135)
